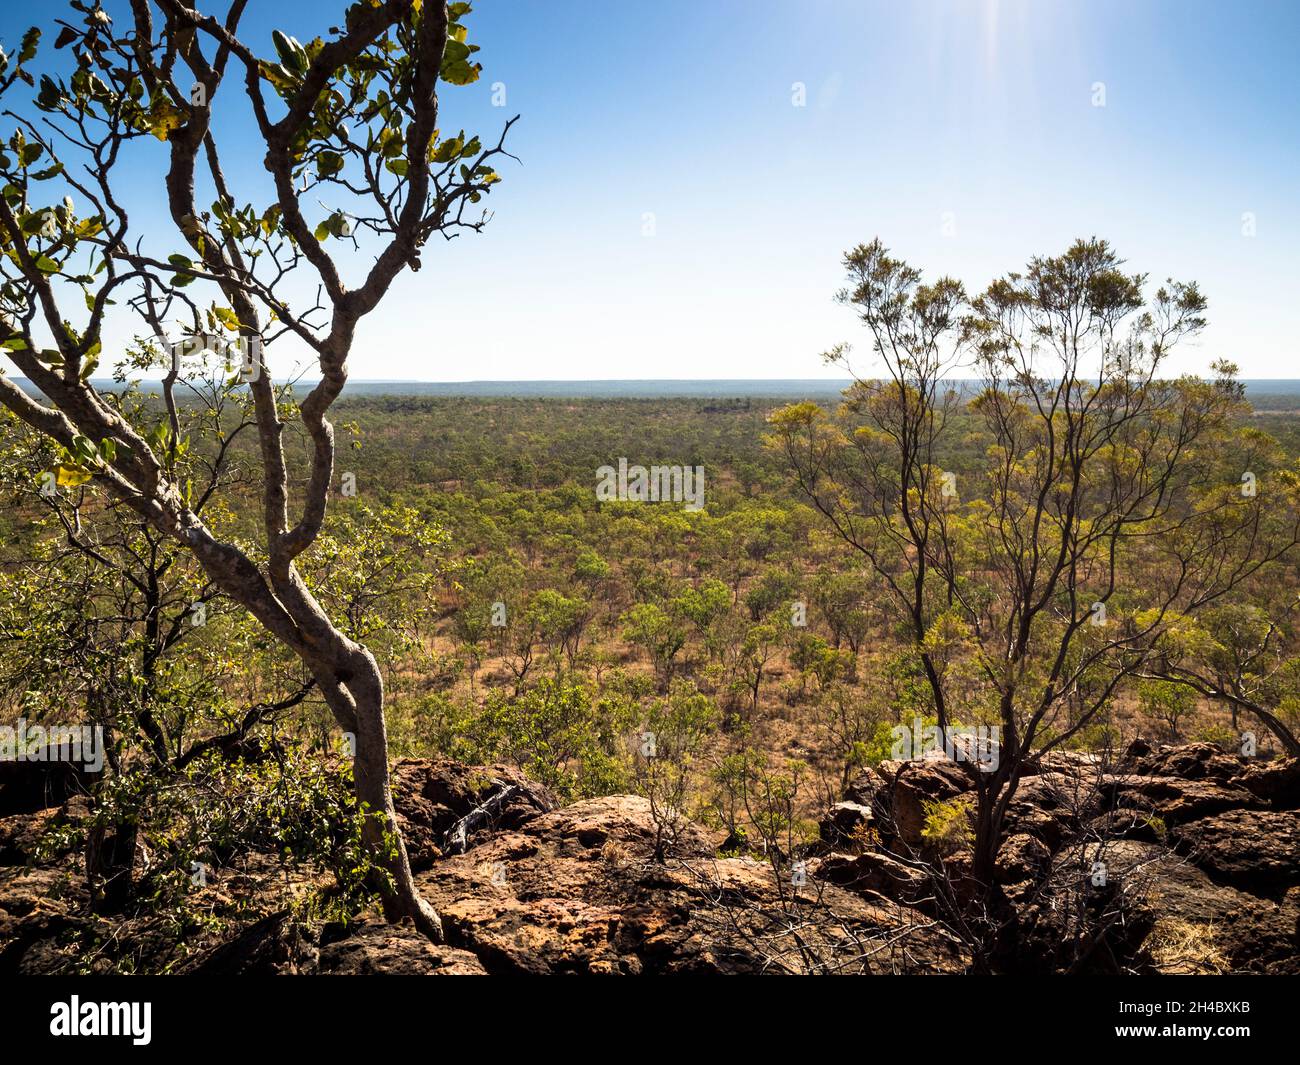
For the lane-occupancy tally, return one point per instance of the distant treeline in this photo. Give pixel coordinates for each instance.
(1272, 394)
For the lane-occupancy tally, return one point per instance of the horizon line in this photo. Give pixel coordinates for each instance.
(599, 380)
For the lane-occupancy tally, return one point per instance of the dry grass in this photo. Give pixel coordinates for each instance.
(1186, 948)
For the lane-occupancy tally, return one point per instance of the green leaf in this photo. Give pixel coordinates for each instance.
(164, 118)
(181, 262)
(328, 163)
(31, 41)
(446, 151)
(227, 317)
(284, 80)
(50, 95)
(291, 53)
(90, 361)
(456, 66)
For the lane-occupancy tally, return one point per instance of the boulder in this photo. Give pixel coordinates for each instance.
(874, 873)
(845, 823)
(273, 946)
(20, 834)
(1052, 804)
(433, 796)
(1253, 934)
(36, 909)
(1176, 800)
(576, 890)
(1023, 858)
(1252, 850)
(1276, 782)
(897, 793)
(375, 948)
(44, 779)
(1069, 763)
(1189, 761)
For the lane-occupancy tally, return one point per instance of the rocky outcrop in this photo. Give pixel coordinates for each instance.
(1197, 847)
(1277, 783)
(1184, 835)
(446, 806)
(875, 873)
(378, 949)
(1256, 851)
(892, 796)
(45, 778)
(278, 946)
(577, 890)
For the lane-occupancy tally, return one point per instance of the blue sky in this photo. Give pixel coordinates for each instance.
(964, 134)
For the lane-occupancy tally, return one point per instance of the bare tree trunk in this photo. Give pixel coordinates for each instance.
(1287, 738)
(354, 689)
(401, 898)
(988, 841)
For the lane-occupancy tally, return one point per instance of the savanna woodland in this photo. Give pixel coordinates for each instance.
(990, 663)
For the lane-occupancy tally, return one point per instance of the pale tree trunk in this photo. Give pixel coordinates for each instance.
(353, 686)
(168, 37)
(364, 712)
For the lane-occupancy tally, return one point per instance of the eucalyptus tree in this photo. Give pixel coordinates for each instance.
(358, 177)
(1112, 502)
(1241, 655)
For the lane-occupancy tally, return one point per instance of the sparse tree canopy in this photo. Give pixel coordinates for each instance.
(1111, 503)
(358, 177)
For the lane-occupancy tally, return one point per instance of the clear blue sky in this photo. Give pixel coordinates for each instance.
(964, 134)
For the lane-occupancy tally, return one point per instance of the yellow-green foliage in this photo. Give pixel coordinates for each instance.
(947, 824)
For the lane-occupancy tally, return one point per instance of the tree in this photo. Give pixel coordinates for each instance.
(557, 733)
(559, 621)
(761, 643)
(102, 611)
(842, 601)
(770, 592)
(1170, 704)
(1110, 501)
(648, 625)
(101, 615)
(1234, 654)
(703, 605)
(353, 119)
(675, 732)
